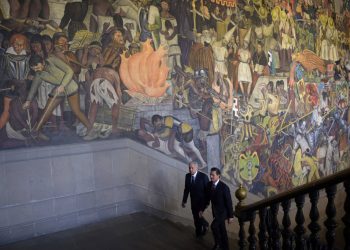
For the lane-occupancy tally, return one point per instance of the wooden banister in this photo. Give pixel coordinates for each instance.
(334, 179)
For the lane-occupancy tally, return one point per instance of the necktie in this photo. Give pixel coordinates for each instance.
(213, 186)
(192, 179)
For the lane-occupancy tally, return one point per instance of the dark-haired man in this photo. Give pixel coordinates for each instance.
(114, 48)
(218, 193)
(59, 74)
(195, 185)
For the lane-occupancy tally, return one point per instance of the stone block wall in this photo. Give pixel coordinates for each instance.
(49, 189)
(45, 190)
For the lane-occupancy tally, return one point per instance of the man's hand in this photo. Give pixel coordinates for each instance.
(26, 105)
(60, 89)
(183, 204)
(230, 220)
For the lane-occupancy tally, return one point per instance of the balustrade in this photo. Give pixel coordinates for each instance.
(272, 235)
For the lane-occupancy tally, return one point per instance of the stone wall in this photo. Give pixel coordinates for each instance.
(49, 189)
(44, 190)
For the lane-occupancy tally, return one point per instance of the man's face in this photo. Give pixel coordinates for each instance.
(48, 45)
(217, 11)
(36, 47)
(192, 168)
(164, 5)
(214, 177)
(18, 45)
(95, 51)
(158, 123)
(118, 38)
(62, 42)
(38, 68)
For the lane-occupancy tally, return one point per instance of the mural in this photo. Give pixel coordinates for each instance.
(258, 88)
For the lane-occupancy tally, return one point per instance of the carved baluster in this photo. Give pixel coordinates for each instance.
(252, 238)
(299, 219)
(346, 217)
(286, 232)
(275, 230)
(314, 226)
(241, 241)
(331, 211)
(262, 229)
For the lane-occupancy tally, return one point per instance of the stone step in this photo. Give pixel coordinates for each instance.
(139, 231)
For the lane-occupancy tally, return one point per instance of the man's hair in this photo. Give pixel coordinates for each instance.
(279, 83)
(57, 36)
(156, 118)
(14, 37)
(35, 60)
(270, 84)
(216, 170)
(46, 38)
(193, 163)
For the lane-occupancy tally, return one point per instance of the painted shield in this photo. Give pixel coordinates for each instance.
(248, 166)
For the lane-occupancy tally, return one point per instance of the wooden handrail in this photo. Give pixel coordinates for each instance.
(297, 191)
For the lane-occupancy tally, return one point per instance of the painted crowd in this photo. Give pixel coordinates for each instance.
(267, 80)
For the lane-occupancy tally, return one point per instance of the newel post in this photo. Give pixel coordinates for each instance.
(241, 194)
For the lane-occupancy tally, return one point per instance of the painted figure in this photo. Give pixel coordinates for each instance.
(14, 67)
(74, 15)
(105, 87)
(102, 15)
(58, 73)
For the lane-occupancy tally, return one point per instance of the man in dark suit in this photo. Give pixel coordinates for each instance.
(218, 193)
(195, 184)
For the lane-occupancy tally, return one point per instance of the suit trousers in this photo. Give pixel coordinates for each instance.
(199, 222)
(218, 228)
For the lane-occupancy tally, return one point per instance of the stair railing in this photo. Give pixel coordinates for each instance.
(272, 235)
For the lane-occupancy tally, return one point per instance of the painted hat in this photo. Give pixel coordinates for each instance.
(229, 34)
(247, 36)
(169, 121)
(323, 19)
(249, 9)
(262, 12)
(185, 127)
(330, 22)
(257, 2)
(275, 13)
(283, 15)
(201, 73)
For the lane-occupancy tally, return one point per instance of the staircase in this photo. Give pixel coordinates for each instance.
(278, 231)
(138, 231)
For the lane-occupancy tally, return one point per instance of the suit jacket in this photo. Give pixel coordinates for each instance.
(197, 190)
(220, 199)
